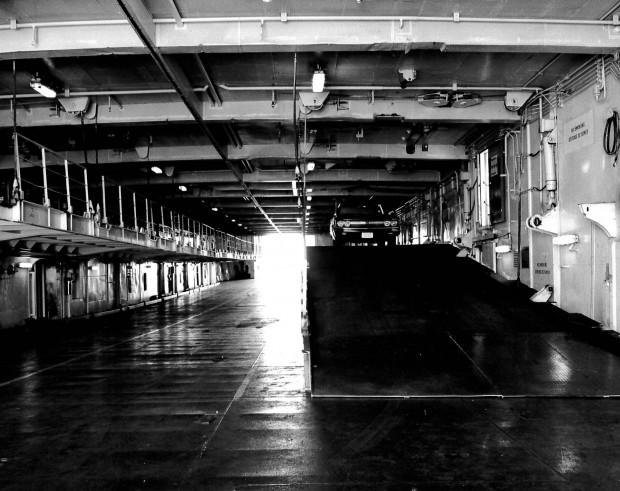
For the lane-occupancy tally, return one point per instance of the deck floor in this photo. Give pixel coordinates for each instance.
(206, 392)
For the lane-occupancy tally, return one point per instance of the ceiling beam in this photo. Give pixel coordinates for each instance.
(144, 26)
(332, 193)
(333, 175)
(160, 108)
(171, 154)
(307, 33)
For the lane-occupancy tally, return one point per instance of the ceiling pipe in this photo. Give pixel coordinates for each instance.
(94, 93)
(316, 18)
(395, 88)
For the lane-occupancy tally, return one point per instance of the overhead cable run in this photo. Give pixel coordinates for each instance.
(142, 22)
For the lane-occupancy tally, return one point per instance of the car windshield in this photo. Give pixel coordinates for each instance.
(347, 211)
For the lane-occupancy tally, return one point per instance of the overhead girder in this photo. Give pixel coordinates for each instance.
(334, 192)
(165, 155)
(308, 33)
(325, 186)
(141, 21)
(260, 176)
(160, 109)
(275, 204)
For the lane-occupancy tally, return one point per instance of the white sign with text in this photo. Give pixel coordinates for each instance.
(579, 132)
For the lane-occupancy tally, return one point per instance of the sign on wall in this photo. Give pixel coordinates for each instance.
(579, 132)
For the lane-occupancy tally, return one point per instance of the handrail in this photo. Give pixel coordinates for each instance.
(136, 215)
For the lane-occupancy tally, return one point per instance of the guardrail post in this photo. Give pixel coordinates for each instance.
(46, 198)
(135, 215)
(18, 170)
(120, 207)
(104, 218)
(69, 207)
(146, 208)
(87, 214)
(163, 224)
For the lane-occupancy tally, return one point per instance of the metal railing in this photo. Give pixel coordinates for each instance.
(44, 188)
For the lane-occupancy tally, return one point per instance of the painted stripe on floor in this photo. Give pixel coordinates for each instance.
(111, 346)
(238, 394)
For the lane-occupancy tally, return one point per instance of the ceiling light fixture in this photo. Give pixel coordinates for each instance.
(310, 166)
(502, 249)
(41, 88)
(318, 80)
(156, 170)
(182, 188)
(214, 209)
(309, 198)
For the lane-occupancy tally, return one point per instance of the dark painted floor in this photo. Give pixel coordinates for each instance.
(205, 392)
(425, 322)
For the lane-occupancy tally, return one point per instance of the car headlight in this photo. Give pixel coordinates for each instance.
(394, 223)
(347, 223)
(387, 223)
(340, 223)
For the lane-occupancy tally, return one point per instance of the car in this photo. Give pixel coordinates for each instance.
(364, 224)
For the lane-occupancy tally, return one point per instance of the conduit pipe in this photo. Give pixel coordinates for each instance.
(94, 93)
(551, 178)
(380, 88)
(315, 18)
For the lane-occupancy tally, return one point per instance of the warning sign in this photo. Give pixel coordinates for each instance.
(579, 132)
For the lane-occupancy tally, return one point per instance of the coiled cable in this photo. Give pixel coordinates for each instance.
(611, 137)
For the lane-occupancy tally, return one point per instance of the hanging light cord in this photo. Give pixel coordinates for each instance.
(611, 136)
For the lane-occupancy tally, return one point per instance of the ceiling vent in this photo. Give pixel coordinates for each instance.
(436, 99)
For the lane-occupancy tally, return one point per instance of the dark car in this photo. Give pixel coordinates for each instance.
(364, 224)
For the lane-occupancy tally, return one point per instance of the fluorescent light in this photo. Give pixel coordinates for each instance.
(567, 239)
(24, 265)
(310, 166)
(233, 220)
(42, 89)
(318, 80)
(502, 249)
(214, 209)
(156, 170)
(294, 186)
(308, 190)
(182, 188)
(308, 207)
